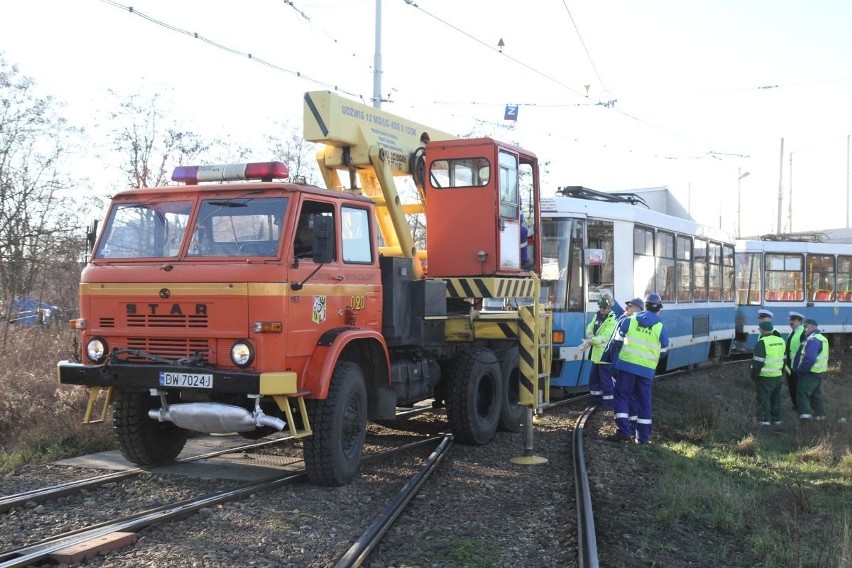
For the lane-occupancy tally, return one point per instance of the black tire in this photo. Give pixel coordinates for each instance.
(141, 439)
(339, 426)
(511, 412)
(475, 396)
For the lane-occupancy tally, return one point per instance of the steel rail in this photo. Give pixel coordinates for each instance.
(63, 489)
(587, 546)
(29, 554)
(356, 555)
(47, 493)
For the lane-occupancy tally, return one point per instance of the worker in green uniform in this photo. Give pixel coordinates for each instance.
(810, 364)
(766, 369)
(793, 342)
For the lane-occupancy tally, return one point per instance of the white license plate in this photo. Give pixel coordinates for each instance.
(189, 380)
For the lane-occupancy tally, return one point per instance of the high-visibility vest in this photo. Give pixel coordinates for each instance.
(821, 364)
(642, 344)
(601, 337)
(773, 361)
(795, 340)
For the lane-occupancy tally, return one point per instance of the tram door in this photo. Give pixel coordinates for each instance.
(599, 259)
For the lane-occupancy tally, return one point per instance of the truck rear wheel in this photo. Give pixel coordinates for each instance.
(476, 393)
(141, 439)
(339, 424)
(511, 412)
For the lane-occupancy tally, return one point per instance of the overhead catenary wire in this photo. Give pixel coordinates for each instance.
(586, 49)
(253, 57)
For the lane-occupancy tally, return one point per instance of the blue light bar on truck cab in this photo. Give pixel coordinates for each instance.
(265, 171)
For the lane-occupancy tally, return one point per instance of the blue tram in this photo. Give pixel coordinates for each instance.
(593, 241)
(812, 278)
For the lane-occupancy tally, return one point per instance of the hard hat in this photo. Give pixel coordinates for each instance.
(653, 298)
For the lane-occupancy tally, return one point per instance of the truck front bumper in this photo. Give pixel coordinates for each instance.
(139, 376)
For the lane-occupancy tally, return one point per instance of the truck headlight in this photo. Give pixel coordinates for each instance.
(242, 353)
(96, 349)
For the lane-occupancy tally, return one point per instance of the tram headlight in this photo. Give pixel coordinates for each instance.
(242, 353)
(96, 349)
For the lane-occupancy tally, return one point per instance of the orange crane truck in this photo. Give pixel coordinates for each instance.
(241, 302)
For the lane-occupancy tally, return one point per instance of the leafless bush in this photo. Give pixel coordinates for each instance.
(35, 410)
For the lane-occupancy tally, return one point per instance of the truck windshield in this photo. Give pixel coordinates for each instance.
(144, 230)
(238, 227)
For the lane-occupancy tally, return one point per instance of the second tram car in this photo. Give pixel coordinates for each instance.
(589, 245)
(812, 278)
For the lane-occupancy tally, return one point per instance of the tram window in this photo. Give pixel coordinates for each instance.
(699, 265)
(562, 263)
(784, 277)
(643, 260)
(728, 274)
(714, 271)
(600, 236)
(821, 277)
(748, 280)
(844, 278)
(683, 260)
(666, 281)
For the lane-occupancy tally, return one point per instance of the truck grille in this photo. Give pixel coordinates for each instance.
(167, 320)
(169, 347)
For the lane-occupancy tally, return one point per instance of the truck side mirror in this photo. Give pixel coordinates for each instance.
(323, 244)
(92, 234)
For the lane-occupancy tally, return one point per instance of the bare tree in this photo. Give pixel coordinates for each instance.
(34, 140)
(148, 143)
(288, 146)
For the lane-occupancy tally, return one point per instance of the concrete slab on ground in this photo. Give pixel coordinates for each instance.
(239, 466)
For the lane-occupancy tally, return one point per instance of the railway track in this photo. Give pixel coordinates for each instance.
(31, 553)
(367, 543)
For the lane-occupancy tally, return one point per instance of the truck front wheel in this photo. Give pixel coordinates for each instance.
(141, 439)
(339, 424)
(476, 393)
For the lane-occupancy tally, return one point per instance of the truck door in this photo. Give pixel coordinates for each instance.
(473, 209)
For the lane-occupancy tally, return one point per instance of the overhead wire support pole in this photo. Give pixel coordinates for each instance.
(377, 59)
(781, 189)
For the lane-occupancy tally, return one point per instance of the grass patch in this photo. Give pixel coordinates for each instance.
(41, 420)
(783, 493)
(473, 554)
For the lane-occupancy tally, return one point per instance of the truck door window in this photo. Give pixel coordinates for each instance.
(304, 237)
(356, 235)
(467, 172)
(144, 230)
(508, 186)
(238, 227)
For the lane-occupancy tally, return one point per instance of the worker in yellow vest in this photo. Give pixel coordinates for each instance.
(598, 332)
(793, 342)
(810, 364)
(640, 341)
(767, 367)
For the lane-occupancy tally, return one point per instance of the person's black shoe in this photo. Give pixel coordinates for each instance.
(619, 438)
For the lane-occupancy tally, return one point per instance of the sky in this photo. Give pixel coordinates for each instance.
(715, 100)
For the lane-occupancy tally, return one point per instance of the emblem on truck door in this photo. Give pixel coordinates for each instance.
(318, 309)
